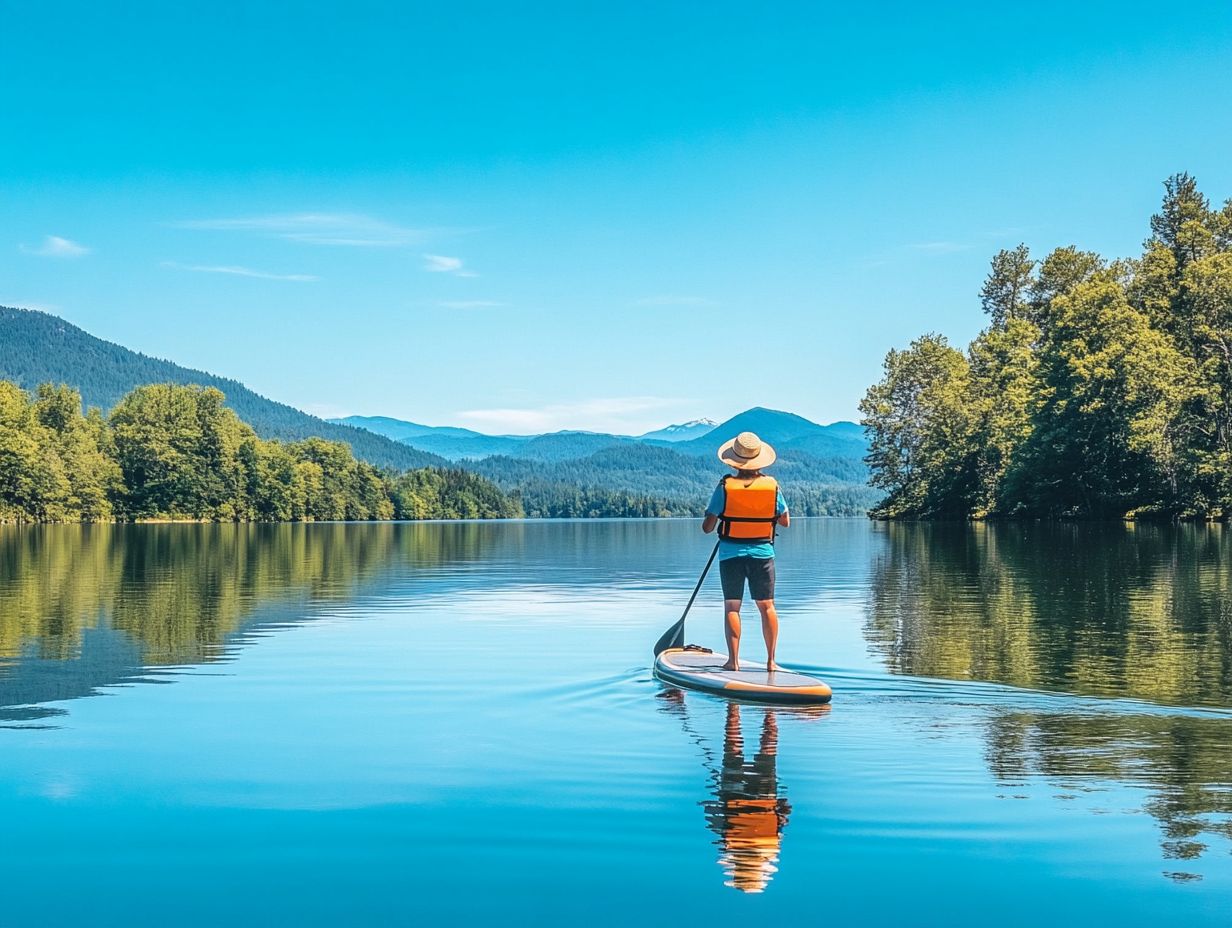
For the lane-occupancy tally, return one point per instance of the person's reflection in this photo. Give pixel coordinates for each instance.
(748, 812)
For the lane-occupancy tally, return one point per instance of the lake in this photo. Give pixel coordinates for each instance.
(403, 723)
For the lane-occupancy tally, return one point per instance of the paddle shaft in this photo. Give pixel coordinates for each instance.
(674, 636)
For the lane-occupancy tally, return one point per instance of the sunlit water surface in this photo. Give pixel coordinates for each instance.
(401, 724)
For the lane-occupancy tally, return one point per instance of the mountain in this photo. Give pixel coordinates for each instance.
(694, 428)
(565, 446)
(452, 444)
(560, 473)
(461, 445)
(789, 434)
(400, 430)
(822, 464)
(813, 486)
(36, 347)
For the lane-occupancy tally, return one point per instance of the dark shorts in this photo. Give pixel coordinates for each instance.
(759, 571)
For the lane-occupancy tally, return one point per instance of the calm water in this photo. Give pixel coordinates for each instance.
(394, 724)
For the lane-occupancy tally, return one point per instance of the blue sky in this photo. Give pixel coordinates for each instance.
(561, 215)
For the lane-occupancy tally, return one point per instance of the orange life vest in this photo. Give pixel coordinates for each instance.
(749, 509)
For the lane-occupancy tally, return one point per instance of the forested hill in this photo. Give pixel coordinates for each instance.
(680, 484)
(1099, 388)
(570, 473)
(564, 474)
(36, 348)
(176, 452)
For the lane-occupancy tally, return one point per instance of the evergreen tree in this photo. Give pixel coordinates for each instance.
(1008, 284)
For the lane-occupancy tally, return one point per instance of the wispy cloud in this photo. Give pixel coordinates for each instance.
(346, 229)
(674, 300)
(468, 304)
(53, 246)
(941, 248)
(444, 264)
(622, 415)
(238, 271)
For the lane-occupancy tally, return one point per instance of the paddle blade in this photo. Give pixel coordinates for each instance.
(672, 638)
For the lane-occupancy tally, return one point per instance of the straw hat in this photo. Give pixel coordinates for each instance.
(746, 452)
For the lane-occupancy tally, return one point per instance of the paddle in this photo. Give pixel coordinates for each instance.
(674, 636)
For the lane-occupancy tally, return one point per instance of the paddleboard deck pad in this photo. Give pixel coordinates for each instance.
(703, 670)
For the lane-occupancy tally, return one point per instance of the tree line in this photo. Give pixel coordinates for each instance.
(39, 348)
(1099, 388)
(646, 481)
(176, 452)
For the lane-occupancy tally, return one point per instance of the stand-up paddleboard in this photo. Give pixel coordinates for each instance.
(703, 670)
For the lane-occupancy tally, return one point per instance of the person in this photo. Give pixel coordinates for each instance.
(746, 509)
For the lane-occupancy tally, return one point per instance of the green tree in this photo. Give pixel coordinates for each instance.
(1059, 273)
(33, 482)
(1009, 282)
(175, 452)
(920, 426)
(83, 444)
(1104, 436)
(1207, 285)
(178, 450)
(1004, 381)
(1184, 224)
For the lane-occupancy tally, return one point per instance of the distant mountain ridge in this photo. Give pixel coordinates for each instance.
(36, 347)
(786, 431)
(695, 428)
(557, 474)
(822, 466)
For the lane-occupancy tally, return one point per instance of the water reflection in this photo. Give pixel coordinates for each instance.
(1182, 762)
(92, 605)
(86, 606)
(748, 808)
(1113, 610)
(1136, 611)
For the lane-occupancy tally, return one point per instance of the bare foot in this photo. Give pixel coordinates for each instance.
(731, 665)
(771, 666)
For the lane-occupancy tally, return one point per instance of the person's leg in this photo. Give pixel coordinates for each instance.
(761, 589)
(731, 631)
(769, 629)
(732, 573)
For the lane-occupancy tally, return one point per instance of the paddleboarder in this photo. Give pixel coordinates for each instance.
(746, 508)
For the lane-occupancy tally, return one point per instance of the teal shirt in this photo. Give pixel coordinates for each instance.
(730, 549)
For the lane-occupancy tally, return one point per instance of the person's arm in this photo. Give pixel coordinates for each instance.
(781, 505)
(713, 508)
(785, 518)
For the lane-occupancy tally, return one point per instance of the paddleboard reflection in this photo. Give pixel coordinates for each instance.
(747, 808)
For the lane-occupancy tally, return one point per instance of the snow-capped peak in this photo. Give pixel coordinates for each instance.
(682, 431)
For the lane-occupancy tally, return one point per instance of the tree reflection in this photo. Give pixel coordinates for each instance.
(1136, 611)
(1114, 610)
(84, 606)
